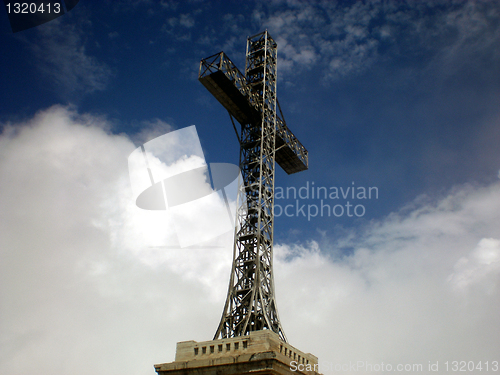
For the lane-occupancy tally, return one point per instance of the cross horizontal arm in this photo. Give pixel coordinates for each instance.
(229, 86)
(291, 155)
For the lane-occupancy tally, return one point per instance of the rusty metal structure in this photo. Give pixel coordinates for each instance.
(264, 140)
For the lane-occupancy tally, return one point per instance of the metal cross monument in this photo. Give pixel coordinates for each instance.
(264, 139)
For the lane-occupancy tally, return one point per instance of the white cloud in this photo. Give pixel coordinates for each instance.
(481, 263)
(176, 26)
(74, 288)
(422, 285)
(326, 33)
(186, 20)
(78, 286)
(62, 57)
(345, 38)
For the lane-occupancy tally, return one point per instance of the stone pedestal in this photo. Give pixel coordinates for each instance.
(259, 353)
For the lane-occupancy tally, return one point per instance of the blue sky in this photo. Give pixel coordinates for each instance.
(401, 96)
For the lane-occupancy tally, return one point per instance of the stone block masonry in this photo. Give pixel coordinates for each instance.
(260, 352)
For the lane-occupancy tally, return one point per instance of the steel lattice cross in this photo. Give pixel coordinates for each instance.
(264, 139)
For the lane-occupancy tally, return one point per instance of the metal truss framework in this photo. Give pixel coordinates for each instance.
(264, 139)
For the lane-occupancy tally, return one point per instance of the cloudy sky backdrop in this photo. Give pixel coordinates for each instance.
(401, 96)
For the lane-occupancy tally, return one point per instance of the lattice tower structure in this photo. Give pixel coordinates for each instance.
(264, 139)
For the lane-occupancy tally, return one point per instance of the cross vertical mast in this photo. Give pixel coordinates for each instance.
(250, 304)
(265, 139)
